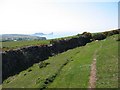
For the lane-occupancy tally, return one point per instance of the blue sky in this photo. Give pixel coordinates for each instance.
(31, 16)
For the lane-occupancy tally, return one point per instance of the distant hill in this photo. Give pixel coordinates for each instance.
(39, 34)
(19, 37)
(43, 34)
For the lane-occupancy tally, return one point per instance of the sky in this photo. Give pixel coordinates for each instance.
(61, 16)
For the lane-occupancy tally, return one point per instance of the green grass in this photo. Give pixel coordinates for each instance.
(107, 64)
(71, 69)
(76, 73)
(18, 44)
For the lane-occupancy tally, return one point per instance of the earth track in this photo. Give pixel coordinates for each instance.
(92, 78)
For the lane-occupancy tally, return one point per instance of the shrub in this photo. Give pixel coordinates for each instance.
(115, 31)
(106, 33)
(78, 34)
(54, 41)
(110, 33)
(87, 35)
(118, 39)
(43, 64)
(29, 70)
(99, 36)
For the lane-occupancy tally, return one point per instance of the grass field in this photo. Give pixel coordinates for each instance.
(18, 44)
(71, 69)
(107, 64)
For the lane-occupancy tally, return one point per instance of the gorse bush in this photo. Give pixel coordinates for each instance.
(99, 36)
(110, 33)
(87, 35)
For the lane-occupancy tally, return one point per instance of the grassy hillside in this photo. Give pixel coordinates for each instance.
(71, 69)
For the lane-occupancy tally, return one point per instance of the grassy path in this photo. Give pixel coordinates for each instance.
(93, 77)
(92, 80)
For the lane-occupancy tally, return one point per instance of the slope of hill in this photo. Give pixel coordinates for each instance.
(72, 69)
(19, 44)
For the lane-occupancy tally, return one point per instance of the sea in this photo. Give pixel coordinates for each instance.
(58, 35)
